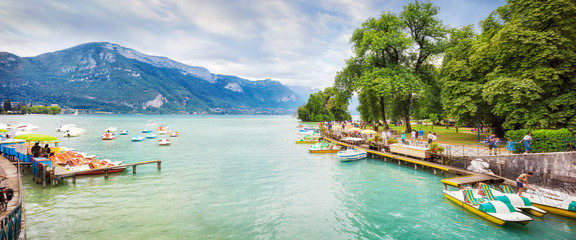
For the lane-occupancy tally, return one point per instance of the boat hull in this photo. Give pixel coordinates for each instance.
(556, 210)
(307, 141)
(498, 218)
(475, 210)
(324, 150)
(116, 170)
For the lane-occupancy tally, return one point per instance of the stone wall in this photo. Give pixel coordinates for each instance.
(557, 170)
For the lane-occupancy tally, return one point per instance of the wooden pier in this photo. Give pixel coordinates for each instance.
(419, 162)
(52, 174)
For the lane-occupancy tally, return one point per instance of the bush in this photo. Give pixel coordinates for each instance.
(543, 140)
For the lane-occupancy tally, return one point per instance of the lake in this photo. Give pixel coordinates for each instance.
(243, 177)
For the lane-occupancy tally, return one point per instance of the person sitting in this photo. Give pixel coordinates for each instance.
(36, 150)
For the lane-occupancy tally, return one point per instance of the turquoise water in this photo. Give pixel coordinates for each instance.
(242, 177)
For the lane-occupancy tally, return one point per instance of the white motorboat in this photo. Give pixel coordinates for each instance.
(164, 142)
(74, 132)
(351, 154)
(63, 128)
(25, 127)
(111, 129)
(124, 132)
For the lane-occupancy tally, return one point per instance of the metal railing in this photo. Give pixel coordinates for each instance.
(541, 145)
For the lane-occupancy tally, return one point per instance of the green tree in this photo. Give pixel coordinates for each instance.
(391, 58)
(520, 72)
(325, 105)
(7, 105)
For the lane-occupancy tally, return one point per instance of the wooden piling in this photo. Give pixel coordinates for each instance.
(134, 169)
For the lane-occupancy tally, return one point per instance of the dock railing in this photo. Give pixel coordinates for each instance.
(11, 223)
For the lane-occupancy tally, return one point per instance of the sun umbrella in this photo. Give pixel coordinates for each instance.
(368, 131)
(33, 137)
(355, 129)
(337, 126)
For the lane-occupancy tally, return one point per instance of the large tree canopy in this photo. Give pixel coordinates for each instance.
(520, 71)
(391, 63)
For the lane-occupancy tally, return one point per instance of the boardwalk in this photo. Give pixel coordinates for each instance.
(415, 161)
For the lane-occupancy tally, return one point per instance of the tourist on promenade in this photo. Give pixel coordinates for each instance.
(429, 137)
(36, 150)
(403, 137)
(521, 181)
(527, 141)
(510, 146)
(434, 137)
(492, 143)
(413, 135)
(389, 134)
(420, 134)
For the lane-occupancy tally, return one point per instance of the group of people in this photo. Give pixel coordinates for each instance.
(38, 151)
(432, 137)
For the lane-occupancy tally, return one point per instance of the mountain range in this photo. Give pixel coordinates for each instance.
(107, 77)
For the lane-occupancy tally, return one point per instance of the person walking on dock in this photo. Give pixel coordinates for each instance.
(522, 182)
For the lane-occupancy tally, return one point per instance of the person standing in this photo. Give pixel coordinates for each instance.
(492, 143)
(420, 134)
(434, 137)
(413, 135)
(429, 137)
(403, 137)
(522, 182)
(527, 141)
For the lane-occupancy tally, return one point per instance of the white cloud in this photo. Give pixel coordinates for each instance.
(295, 41)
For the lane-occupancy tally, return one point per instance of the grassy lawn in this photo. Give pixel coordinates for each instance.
(446, 136)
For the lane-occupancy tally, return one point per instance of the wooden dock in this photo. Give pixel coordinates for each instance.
(52, 174)
(416, 162)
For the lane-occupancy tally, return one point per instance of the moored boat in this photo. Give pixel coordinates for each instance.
(164, 142)
(151, 135)
(324, 147)
(76, 162)
(109, 136)
(555, 202)
(508, 196)
(173, 134)
(138, 138)
(64, 127)
(73, 132)
(352, 154)
(124, 132)
(494, 211)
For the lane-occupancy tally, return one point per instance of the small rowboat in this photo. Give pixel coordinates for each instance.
(164, 142)
(352, 154)
(109, 136)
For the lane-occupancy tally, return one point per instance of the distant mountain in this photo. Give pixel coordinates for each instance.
(302, 93)
(112, 78)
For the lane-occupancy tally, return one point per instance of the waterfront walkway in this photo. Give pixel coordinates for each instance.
(14, 214)
(455, 170)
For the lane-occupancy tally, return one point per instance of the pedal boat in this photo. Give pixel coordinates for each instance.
(494, 211)
(522, 203)
(324, 147)
(553, 202)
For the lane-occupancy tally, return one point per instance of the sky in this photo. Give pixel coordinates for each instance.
(296, 42)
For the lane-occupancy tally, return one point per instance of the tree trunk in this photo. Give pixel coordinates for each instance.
(407, 121)
(383, 113)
